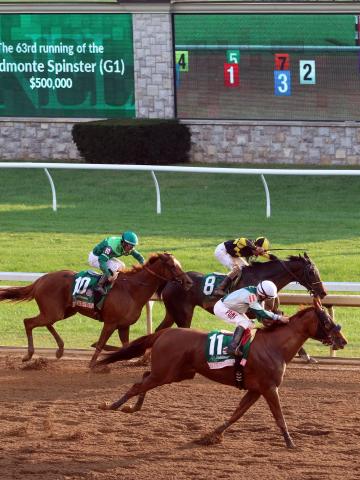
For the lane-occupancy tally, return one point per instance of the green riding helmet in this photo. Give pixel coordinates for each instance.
(130, 237)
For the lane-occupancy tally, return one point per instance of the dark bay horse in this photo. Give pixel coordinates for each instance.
(180, 303)
(178, 354)
(122, 307)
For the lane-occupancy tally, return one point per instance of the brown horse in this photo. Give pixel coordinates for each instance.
(180, 303)
(122, 307)
(178, 354)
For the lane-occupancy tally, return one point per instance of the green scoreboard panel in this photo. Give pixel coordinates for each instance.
(267, 66)
(66, 65)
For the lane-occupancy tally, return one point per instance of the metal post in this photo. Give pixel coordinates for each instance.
(149, 307)
(158, 200)
(52, 189)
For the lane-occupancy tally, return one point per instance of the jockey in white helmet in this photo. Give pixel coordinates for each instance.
(233, 308)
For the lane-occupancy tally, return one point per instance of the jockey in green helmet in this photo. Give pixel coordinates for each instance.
(104, 255)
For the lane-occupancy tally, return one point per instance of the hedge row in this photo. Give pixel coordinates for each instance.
(140, 141)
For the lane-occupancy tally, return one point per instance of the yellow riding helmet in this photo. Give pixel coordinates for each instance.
(262, 242)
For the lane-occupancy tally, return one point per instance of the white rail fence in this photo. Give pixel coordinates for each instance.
(330, 286)
(285, 298)
(173, 169)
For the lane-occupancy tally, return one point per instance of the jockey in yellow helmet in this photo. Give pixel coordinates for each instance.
(235, 254)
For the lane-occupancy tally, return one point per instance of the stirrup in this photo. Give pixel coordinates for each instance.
(235, 352)
(100, 289)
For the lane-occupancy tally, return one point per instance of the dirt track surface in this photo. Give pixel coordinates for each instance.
(51, 427)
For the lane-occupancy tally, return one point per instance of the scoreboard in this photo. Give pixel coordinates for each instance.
(267, 66)
(66, 65)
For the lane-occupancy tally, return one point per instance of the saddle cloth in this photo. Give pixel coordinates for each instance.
(216, 348)
(84, 293)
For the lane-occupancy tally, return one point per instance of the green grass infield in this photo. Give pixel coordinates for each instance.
(316, 214)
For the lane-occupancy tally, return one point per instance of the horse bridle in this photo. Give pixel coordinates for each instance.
(172, 268)
(307, 283)
(325, 327)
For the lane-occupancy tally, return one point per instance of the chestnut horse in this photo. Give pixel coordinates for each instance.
(122, 307)
(178, 354)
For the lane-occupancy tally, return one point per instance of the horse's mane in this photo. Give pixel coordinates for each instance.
(296, 258)
(302, 312)
(136, 268)
(290, 258)
(298, 314)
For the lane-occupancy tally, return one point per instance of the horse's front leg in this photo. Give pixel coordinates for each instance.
(216, 436)
(305, 356)
(106, 333)
(138, 389)
(272, 397)
(123, 333)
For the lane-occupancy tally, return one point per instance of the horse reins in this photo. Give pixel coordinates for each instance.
(298, 280)
(176, 277)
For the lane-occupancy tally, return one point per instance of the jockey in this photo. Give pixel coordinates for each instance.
(233, 307)
(104, 253)
(234, 255)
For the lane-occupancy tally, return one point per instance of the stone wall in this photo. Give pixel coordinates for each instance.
(154, 84)
(37, 140)
(229, 142)
(324, 145)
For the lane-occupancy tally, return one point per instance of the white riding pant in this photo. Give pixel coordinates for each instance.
(227, 260)
(113, 263)
(230, 316)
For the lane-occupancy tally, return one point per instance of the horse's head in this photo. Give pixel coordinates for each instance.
(306, 273)
(171, 270)
(327, 331)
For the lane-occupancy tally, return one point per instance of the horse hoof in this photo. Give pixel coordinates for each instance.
(312, 360)
(100, 369)
(59, 353)
(27, 357)
(210, 439)
(128, 409)
(104, 406)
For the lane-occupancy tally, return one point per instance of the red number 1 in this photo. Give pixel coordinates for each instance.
(231, 75)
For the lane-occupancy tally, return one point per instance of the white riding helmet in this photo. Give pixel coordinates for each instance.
(266, 288)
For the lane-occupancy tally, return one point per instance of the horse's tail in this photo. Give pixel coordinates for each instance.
(133, 349)
(18, 294)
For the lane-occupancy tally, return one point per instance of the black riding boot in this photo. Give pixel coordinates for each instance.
(221, 289)
(233, 346)
(101, 285)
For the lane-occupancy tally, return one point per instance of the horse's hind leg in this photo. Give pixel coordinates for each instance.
(29, 324)
(216, 436)
(179, 310)
(44, 320)
(40, 321)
